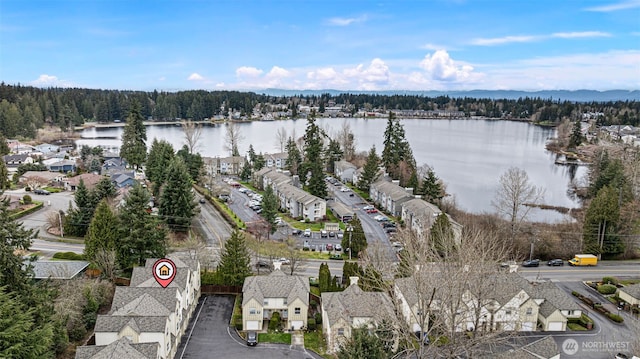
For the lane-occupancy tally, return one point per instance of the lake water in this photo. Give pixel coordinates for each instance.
(468, 155)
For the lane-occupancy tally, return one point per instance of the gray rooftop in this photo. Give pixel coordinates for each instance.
(632, 290)
(392, 190)
(146, 324)
(275, 285)
(144, 305)
(126, 295)
(58, 269)
(121, 348)
(544, 348)
(554, 298)
(354, 302)
(297, 194)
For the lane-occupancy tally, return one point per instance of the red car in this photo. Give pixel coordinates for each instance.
(373, 210)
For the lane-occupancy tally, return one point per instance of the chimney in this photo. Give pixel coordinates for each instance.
(276, 265)
(396, 182)
(409, 190)
(353, 281)
(295, 181)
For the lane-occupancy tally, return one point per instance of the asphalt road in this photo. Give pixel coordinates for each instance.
(567, 273)
(214, 228)
(53, 203)
(210, 336)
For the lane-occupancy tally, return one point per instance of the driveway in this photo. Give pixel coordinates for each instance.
(210, 336)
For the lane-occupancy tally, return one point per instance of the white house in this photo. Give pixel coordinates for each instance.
(344, 170)
(389, 196)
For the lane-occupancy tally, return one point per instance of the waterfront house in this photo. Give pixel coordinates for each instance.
(344, 170)
(277, 292)
(389, 196)
(276, 160)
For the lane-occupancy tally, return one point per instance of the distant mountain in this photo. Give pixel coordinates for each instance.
(577, 95)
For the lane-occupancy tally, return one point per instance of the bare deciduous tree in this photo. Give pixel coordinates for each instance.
(106, 262)
(446, 296)
(347, 141)
(192, 134)
(515, 197)
(232, 138)
(281, 139)
(36, 182)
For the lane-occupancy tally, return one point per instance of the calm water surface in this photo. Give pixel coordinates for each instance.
(468, 155)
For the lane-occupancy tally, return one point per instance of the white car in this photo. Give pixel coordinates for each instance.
(284, 261)
(344, 189)
(307, 232)
(368, 207)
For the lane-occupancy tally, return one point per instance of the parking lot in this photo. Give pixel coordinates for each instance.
(210, 336)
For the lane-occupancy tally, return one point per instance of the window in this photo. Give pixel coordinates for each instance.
(529, 311)
(284, 301)
(252, 310)
(296, 310)
(265, 302)
(341, 331)
(507, 312)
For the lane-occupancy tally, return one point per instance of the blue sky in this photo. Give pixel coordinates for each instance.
(343, 45)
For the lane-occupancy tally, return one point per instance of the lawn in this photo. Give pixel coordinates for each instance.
(630, 281)
(281, 338)
(576, 327)
(314, 340)
(315, 290)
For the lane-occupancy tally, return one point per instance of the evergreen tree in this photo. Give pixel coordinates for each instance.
(235, 263)
(412, 182)
(103, 231)
(160, 155)
(14, 237)
(350, 269)
(576, 137)
(442, 236)
(134, 149)
(363, 344)
(324, 278)
(294, 158)
(20, 336)
(245, 173)
(142, 235)
(600, 223)
(370, 171)
(258, 162)
(356, 237)
(77, 220)
(4, 146)
(193, 161)
(270, 208)
(397, 156)
(4, 177)
(312, 167)
(252, 154)
(431, 189)
(104, 189)
(333, 155)
(177, 201)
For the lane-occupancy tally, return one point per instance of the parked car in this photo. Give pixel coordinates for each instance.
(555, 262)
(306, 245)
(329, 246)
(42, 191)
(307, 232)
(252, 339)
(284, 261)
(531, 263)
(263, 264)
(390, 229)
(372, 210)
(296, 232)
(340, 235)
(336, 257)
(368, 207)
(344, 189)
(203, 201)
(389, 224)
(324, 233)
(338, 247)
(332, 234)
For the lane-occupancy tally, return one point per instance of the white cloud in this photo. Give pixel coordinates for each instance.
(195, 77)
(247, 71)
(346, 21)
(374, 77)
(440, 66)
(432, 47)
(503, 40)
(574, 35)
(162, 78)
(278, 72)
(623, 5)
(45, 80)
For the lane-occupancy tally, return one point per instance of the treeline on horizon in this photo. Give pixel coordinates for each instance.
(25, 109)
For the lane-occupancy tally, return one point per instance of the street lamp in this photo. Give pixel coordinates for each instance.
(350, 230)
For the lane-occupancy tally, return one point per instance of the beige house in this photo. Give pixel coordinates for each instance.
(352, 308)
(390, 196)
(556, 307)
(277, 292)
(630, 294)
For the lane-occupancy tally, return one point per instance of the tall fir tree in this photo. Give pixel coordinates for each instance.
(334, 154)
(177, 201)
(134, 137)
(104, 189)
(160, 155)
(4, 177)
(294, 157)
(324, 278)
(193, 161)
(312, 167)
(103, 231)
(431, 188)
(235, 262)
(601, 222)
(576, 138)
(369, 171)
(354, 238)
(78, 219)
(141, 235)
(270, 208)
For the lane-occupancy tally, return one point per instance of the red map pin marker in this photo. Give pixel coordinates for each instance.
(164, 270)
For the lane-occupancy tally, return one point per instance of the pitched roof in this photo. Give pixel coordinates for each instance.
(293, 192)
(354, 302)
(58, 269)
(554, 298)
(392, 190)
(141, 324)
(544, 348)
(345, 165)
(90, 179)
(632, 290)
(144, 305)
(507, 286)
(42, 174)
(121, 348)
(275, 285)
(125, 295)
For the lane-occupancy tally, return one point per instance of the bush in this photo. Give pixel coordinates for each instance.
(69, 256)
(610, 280)
(575, 294)
(274, 323)
(311, 324)
(615, 317)
(237, 322)
(26, 199)
(318, 318)
(607, 288)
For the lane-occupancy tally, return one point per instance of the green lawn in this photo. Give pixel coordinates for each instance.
(315, 340)
(315, 290)
(282, 338)
(576, 327)
(630, 281)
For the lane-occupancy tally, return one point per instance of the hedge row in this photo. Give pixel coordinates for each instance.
(26, 211)
(71, 256)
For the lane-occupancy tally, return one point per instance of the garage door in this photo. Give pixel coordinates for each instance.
(253, 325)
(527, 326)
(297, 324)
(555, 326)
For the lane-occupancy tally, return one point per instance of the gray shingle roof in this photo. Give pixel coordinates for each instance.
(115, 323)
(507, 285)
(392, 190)
(554, 298)
(343, 165)
(297, 194)
(120, 349)
(544, 348)
(58, 269)
(144, 305)
(632, 290)
(354, 302)
(276, 285)
(125, 295)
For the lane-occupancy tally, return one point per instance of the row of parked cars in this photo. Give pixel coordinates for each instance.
(536, 263)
